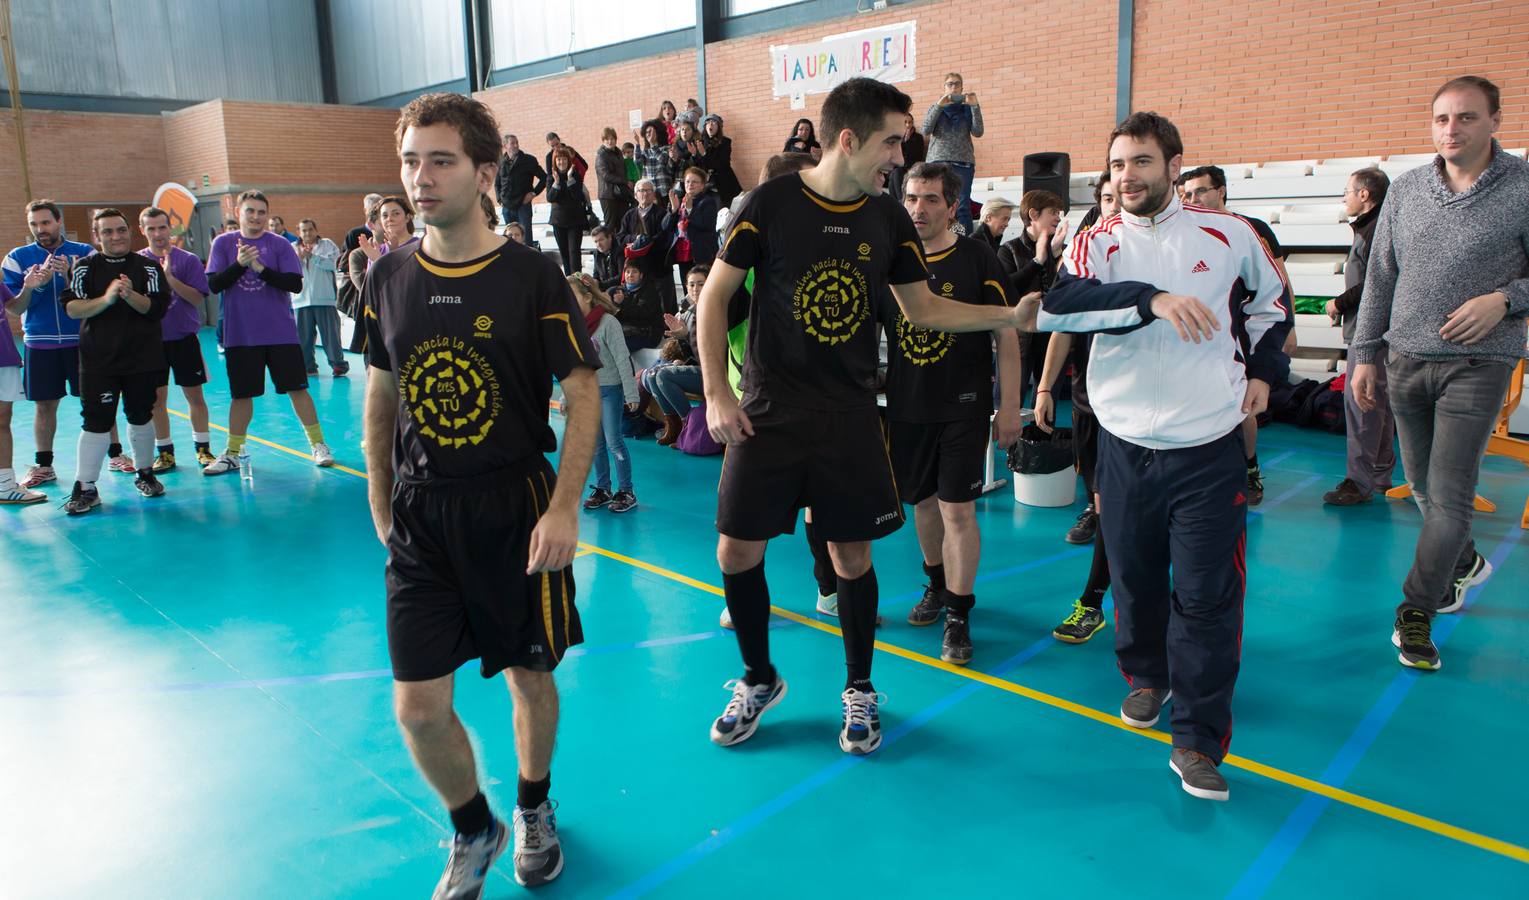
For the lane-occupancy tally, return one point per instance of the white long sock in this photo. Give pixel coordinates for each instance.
(7, 479)
(142, 439)
(201, 437)
(92, 456)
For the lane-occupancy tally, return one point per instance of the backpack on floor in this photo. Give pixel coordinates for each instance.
(695, 439)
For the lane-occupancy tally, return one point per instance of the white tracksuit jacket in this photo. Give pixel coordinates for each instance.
(1146, 384)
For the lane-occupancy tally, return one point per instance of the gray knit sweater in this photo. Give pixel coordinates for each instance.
(1434, 250)
(952, 144)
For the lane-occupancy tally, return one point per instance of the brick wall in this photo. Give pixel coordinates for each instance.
(1322, 79)
(86, 158)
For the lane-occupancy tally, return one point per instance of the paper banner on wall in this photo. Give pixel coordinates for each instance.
(885, 53)
(634, 118)
(179, 203)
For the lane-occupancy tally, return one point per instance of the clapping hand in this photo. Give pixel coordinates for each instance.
(249, 255)
(38, 275)
(368, 245)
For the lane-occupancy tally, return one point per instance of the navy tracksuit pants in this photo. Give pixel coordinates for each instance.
(1175, 528)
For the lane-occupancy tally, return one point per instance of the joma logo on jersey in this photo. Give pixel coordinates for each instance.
(835, 229)
(440, 298)
(482, 324)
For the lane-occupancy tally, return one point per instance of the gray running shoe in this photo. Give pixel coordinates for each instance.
(1198, 774)
(82, 500)
(1476, 573)
(471, 858)
(538, 854)
(1143, 705)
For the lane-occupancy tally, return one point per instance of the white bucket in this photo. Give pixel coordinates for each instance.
(1056, 489)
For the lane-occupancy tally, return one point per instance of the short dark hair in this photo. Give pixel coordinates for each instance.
(1104, 178)
(302, 222)
(701, 269)
(552, 136)
(785, 163)
(598, 230)
(252, 195)
(1142, 125)
(472, 120)
(1373, 180)
(950, 182)
(1493, 94)
(1039, 201)
(106, 212)
(150, 212)
(44, 203)
(634, 265)
(861, 105)
(1215, 173)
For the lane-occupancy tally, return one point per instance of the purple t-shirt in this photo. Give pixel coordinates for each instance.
(182, 319)
(255, 313)
(8, 354)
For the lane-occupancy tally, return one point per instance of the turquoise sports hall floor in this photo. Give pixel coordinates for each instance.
(195, 702)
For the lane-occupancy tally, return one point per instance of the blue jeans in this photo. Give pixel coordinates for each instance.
(612, 406)
(670, 384)
(521, 214)
(325, 320)
(967, 171)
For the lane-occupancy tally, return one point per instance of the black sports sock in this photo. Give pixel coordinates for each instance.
(858, 599)
(45, 457)
(531, 794)
(473, 817)
(113, 451)
(168, 448)
(936, 576)
(1252, 462)
(204, 445)
(748, 601)
(960, 604)
(1098, 575)
(822, 563)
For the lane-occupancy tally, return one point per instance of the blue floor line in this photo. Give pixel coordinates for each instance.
(1267, 867)
(763, 812)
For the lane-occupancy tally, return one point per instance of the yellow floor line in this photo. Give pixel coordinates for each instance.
(1348, 798)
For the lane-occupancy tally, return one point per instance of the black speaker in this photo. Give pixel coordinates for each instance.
(1049, 172)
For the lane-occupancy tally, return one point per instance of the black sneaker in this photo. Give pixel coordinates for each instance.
(340, 370)
(1255, 486)
(1083, 531)
(82, 500)
(1080, 625)
(1476, 573)
(957, 646)
(1412, 635)
(598, 497)
(927, 612)
(148, 485)
(623, 501)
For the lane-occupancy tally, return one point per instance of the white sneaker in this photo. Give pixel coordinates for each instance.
(470, 860)
(323, 457)
(37, 475)
(19, 495)
(122, 465)
(861, 733)
(225, 463)
(828, 605)
(727, 618)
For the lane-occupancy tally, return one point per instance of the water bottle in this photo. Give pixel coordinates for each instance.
(246, 469)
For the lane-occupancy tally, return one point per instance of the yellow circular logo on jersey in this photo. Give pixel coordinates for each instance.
(451, 392)
(947, 288)
(922, 346)
(483, 323)
(832, 301)
(865, 249)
